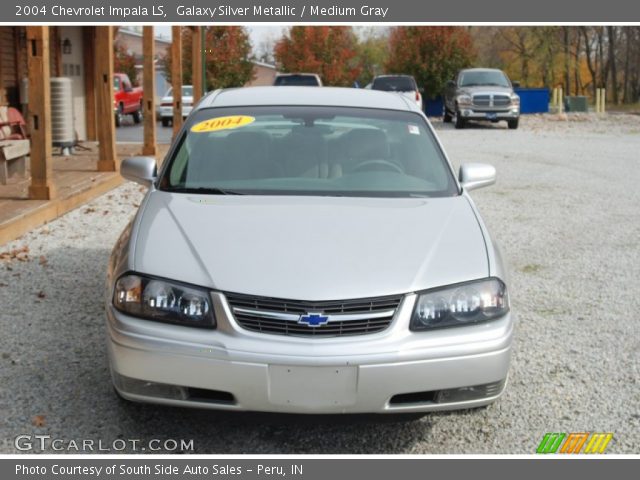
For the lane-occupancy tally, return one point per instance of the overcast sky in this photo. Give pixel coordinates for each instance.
(257, 34)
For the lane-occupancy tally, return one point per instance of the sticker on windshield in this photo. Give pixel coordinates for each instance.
(414, 129)
(223, 123)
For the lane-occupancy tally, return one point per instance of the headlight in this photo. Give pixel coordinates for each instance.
(163, 301)
(464, 99)
(515, 99)
(464, 304)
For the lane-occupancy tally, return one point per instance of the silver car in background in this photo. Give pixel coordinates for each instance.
(309, 251)
(481, 94)
(166, 105)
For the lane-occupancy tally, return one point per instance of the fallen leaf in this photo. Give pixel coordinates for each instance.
(41, 294)
(106, 212)
(89, 210)
(2, 284)
(38, 421)
(43, 260)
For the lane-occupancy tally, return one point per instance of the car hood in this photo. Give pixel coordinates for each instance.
(480, 89)
(310, 248)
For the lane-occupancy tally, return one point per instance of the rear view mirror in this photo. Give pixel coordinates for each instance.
(476, 175)
(515, 84)
(141, 170)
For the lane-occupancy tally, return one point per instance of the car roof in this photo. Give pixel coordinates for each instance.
(392, 75)
(481, 70)
(296, 74)
(325, 96)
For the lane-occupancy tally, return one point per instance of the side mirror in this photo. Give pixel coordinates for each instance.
(476, 175)
(515, 84)
(128, 88)
(421, 90)
(142, 170)
(451, 84)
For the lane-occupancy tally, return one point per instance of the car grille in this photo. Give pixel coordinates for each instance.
(482, 100)
(281, 317)
(501, 100)
(485, 100)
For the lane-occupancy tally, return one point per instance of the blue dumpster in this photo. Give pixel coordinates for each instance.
(433, 107)
(533, 100)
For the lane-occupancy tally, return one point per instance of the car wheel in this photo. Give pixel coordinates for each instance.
(137, 115)
(119, 116)
(513, 124)
(460, 122)
(446, 117)
(166, 122)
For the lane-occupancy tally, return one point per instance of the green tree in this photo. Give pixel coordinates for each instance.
(432, 55)
(372, 53)
(227, 53)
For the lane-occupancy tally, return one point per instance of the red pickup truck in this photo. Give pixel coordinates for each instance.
(127, 100)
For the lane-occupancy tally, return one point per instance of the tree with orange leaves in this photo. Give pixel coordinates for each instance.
(328, 51)
(432, 55)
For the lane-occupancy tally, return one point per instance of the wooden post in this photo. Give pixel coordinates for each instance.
(176, 77)
(88, 53)
(149, 88)
(38, 58)
(104, 99)
(196, 64)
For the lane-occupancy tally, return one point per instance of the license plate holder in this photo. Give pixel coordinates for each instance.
(492, 116)
(313, 387)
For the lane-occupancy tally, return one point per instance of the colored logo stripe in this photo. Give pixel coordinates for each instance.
(550, 443)
(573, 442)
(598, 442)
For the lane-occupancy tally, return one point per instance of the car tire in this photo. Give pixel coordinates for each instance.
(166, 122)
(446, 117)
(118, 116)
(513, 124)
(460, 122)
(137, 115)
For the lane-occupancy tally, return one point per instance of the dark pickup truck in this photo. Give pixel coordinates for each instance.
(127, 100)
(484, 94)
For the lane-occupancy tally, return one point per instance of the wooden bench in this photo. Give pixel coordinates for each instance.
(13, 158)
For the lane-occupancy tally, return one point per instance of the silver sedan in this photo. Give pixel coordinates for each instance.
(309, 251)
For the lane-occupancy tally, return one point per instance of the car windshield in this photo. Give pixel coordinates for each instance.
(491, 78)
(296, 80)
(394, 84)
(186, 92)
(300, 150)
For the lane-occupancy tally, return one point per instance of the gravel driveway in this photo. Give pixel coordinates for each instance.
(566, 211)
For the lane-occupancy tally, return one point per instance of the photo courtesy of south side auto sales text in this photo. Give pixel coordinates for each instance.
(219, 12)
(158, 469)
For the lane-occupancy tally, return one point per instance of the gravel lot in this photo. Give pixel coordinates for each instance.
(566, 213)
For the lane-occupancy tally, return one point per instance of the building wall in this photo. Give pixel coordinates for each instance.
(264, 75)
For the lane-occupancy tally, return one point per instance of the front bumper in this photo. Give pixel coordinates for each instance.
(490, 115)
(231, 368)
(167, 112)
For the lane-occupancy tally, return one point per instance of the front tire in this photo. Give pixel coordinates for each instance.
(460, 122)
(118, 116)
(513, 124)
(166, 122)
(446, 117)
(137, 115)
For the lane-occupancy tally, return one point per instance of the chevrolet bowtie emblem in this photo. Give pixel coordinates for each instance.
(313, 319)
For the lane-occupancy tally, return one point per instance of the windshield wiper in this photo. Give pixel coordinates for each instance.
(205, 191)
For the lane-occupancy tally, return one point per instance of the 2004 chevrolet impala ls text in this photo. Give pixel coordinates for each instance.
(310, 251)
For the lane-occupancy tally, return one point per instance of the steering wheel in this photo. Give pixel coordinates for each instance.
(387, 165)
